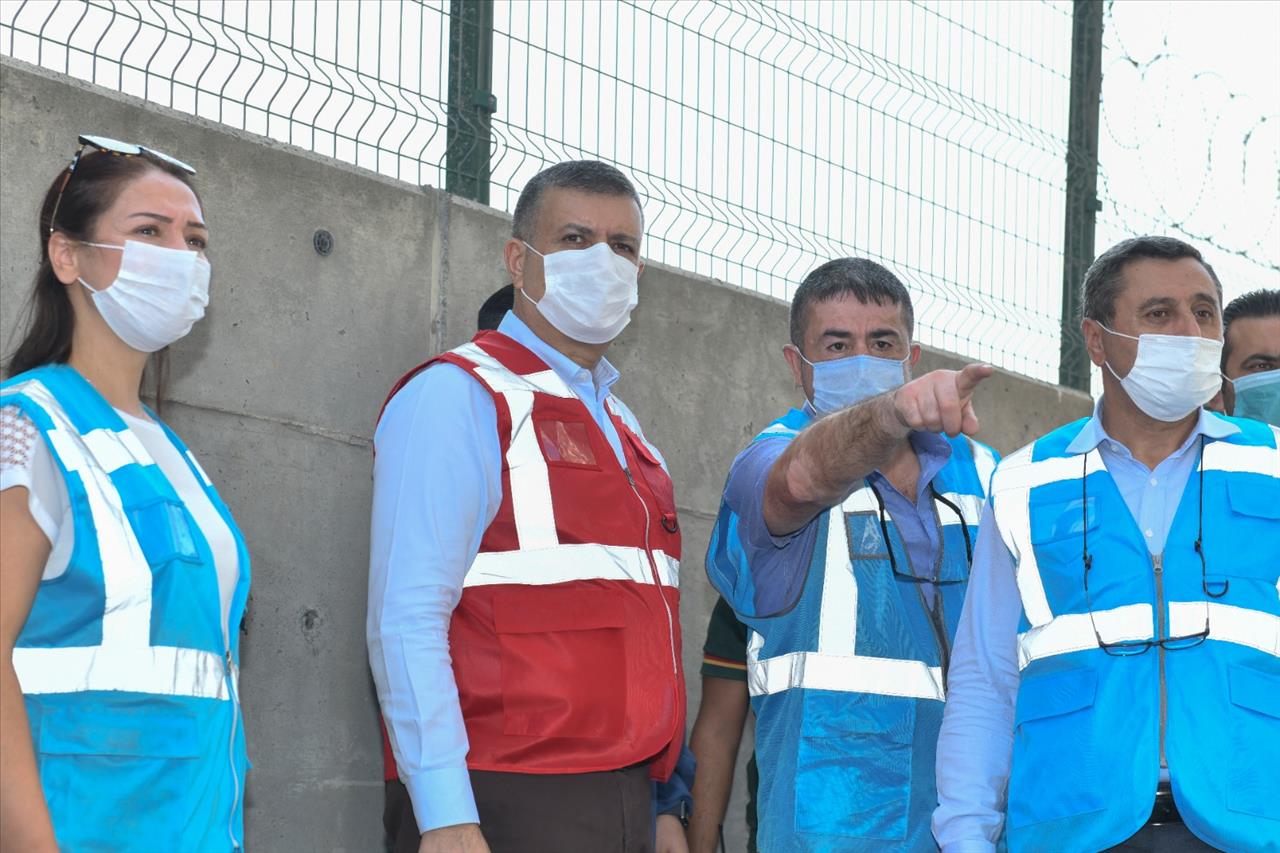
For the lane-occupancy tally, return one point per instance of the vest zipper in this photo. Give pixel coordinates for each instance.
(231, 752)
(653, 568)
(1157, 565)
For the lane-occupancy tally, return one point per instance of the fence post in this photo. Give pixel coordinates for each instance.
(1082, 203)
(471, 98)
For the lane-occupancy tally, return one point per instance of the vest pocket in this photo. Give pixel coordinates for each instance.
(853, 765)
(564, 662)
(1054, 718)
(1253, 785)
(118, 775)
(1255, 508)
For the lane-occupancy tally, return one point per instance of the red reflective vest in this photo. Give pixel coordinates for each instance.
(566, 641)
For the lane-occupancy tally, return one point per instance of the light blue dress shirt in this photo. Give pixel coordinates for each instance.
(437, 484)
(975, 746)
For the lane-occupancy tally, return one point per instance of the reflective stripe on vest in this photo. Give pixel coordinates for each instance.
(541, 558)
(1061, 634)
(836, 665)
(125, 660)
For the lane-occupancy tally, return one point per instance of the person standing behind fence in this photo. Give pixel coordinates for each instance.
(123, 576)
(1116, 679)
(523, 611)
(1251, 356)
(843, 542)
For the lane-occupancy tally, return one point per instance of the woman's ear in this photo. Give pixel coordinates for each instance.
(63, 257)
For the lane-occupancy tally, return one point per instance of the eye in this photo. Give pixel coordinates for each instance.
(882, 345)
(1158, 314)
(838, 346)
(573, 239)
(623, 249)
(199, 243)
(147, 231)
(1205, 313)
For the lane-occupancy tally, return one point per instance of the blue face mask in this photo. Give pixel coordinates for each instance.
(1258, 397)
(842, 382)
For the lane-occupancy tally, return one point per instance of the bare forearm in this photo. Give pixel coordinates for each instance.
(827, 460)
(23, 811)
(714, 741)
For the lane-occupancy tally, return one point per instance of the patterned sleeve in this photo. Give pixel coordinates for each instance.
(20, 448)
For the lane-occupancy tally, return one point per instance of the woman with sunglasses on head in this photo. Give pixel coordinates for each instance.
(122, 573)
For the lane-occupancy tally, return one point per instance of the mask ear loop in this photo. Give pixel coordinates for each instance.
(1204, 578)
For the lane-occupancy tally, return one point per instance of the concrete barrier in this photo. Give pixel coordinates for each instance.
(277, 392)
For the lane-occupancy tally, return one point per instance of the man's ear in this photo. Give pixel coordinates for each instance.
(1091, 331)
(63, 257)
(916, 352)
(514, 254)
(792, 354)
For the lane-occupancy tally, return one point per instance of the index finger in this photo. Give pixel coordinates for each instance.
(968, 379)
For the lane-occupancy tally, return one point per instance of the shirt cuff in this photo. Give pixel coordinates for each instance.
(969, 845)
(442, 797)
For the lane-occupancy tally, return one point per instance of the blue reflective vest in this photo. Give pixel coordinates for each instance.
(1092, 729)
(130, 686)
(848, 682)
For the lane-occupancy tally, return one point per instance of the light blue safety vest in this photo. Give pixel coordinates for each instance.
(848, 682)
(129, 684)
(1092, 729)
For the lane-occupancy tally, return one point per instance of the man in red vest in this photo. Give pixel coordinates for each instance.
(523, 620)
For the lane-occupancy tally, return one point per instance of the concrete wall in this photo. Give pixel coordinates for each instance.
(277, 391)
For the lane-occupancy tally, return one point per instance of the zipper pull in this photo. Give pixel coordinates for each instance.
(630, 479)
(1157, 562)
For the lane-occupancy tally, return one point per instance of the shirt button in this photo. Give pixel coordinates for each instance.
(1150, 534)
(1154, 481)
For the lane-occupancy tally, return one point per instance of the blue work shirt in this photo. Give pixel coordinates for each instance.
(779, 564)
(437, 484)
(975, 746)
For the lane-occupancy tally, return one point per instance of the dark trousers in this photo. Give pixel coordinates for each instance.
(1163, 838)
(609, 812)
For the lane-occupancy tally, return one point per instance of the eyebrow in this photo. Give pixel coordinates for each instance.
(587, 231)
(191, 223)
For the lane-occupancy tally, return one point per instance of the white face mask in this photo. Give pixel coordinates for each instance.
(157, 296)
(590, 293)
(1172, 375)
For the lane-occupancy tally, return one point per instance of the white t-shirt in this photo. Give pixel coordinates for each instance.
(25, 460)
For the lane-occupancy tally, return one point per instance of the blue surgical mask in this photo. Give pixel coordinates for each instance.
(842, 382)
(1258, 397)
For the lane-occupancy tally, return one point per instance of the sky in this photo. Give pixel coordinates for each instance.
(767, 137)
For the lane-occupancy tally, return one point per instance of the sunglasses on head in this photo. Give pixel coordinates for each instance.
(116, 148)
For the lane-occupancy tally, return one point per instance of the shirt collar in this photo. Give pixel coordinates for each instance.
(602, 376)
(1208, 424)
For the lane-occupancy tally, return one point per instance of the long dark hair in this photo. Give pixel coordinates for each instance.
(94, 186)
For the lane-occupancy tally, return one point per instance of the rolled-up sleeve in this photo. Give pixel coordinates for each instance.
(976, 742)
(759, 574)
(436, 487)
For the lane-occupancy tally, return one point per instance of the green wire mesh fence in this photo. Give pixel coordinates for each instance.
(766, 136)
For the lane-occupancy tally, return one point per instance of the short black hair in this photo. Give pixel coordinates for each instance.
(496, 307)
(1104, 279)
(865, 280)
(1257, 303)
(591, 176)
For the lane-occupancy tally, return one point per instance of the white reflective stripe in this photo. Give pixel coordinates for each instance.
(862, 500)
(503, 380)
(530, 480)
(199, 469)
(163, 670)
(984, 462)
(1011, 487)
(845, 673)
(779, 429)
(970, 507)
(1073, 632)
(837, 619)
(1227, 624)
(565, 563)
(126, 575)
(1221, 456)
(108, 449)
